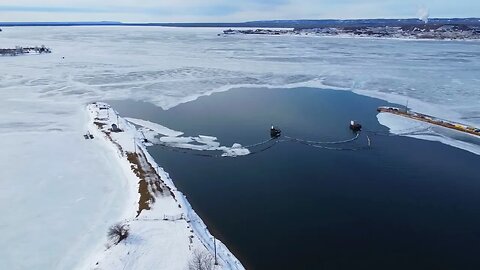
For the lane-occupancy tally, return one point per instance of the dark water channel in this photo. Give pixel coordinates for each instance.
(403, 204)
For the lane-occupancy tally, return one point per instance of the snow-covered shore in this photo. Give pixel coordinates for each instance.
(164, 234)
(58, 192)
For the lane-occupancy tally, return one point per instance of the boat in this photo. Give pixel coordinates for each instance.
(354, 126)
(275, 132)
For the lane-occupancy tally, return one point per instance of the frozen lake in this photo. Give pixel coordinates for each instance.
(42, 100)
(171, 65)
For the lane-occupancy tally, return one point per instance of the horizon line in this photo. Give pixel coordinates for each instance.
(234, 22)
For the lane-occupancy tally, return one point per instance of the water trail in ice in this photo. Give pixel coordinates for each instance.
(321, 145)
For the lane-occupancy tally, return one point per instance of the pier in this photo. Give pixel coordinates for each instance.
(431, 119)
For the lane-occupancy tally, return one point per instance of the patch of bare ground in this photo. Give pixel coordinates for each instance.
(114, 142)
(150, 184)
(100, 125)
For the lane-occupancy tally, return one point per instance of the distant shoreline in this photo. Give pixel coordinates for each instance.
(431, 31)
(264, 24)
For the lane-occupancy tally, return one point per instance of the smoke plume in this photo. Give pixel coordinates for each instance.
(423, 14)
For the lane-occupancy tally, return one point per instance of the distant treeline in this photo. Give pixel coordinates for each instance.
(298, 24)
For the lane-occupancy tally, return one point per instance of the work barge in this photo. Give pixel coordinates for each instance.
(431, 120)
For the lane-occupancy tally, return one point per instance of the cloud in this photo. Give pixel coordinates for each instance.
(53, 9)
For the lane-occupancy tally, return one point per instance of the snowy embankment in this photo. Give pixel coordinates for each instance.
(164, 229)
(403, 126)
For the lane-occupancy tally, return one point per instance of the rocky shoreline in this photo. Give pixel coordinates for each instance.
(25, 50)
(415, 31)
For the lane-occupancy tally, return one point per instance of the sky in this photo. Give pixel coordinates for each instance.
(229, 10)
